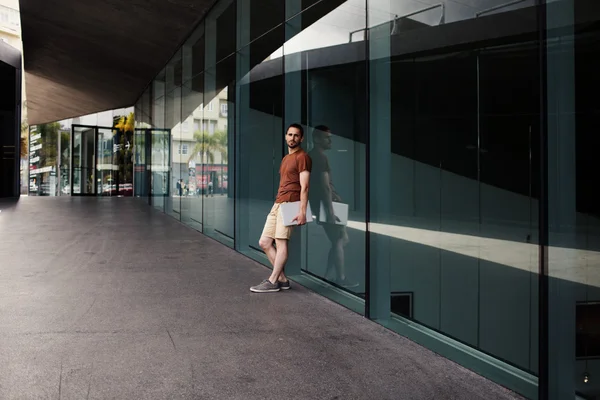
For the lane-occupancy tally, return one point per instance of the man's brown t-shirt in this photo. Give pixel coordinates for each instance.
(289, 176)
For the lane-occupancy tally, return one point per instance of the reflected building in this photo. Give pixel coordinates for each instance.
(201, 143)
(90, 155)
(461, 139)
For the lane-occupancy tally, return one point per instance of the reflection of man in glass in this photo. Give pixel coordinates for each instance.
(323, 192)
(293, 186)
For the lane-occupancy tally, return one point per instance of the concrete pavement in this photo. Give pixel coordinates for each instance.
(106, 298)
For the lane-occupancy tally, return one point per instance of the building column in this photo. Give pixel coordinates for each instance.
(293, 95)
(378, 290)
(242, 118)
(562, 212)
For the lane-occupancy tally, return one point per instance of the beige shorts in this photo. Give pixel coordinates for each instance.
(274, 227)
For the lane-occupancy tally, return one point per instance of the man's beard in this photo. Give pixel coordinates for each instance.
(293, 146)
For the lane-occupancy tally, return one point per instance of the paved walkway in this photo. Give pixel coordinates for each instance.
(109, 299)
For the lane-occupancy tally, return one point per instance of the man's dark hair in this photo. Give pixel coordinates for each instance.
(297, 126)
(319, 131)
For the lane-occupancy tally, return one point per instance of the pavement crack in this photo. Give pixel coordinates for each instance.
(85, 313)
(90, 383)
(171, 337)
(193, 378)
(90, 307)
(60, 381)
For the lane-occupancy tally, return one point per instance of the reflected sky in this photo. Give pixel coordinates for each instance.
(335, 27)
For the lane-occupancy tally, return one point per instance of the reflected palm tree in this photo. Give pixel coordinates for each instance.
(24, 140)
(124, 126)
(208, 145)
(221, 145)
(204, 147)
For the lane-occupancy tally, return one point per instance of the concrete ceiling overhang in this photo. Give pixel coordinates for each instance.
(82, 57)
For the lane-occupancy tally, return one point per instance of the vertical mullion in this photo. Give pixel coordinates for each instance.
(543, 356)
(368, 168)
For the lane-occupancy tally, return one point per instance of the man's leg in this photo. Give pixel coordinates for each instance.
(338, 237)
(336, 254)
(274, 228)
(282, 237)
(266, 243)
(335, 257)
(280, 260)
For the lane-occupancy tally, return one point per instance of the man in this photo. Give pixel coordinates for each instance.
(293, 186)
(324, 192)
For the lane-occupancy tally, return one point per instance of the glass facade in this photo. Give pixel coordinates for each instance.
(572, 210)
(453, 140)
(458, 137)
(66, 157)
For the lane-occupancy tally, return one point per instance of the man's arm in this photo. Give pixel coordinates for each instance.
(304, 183)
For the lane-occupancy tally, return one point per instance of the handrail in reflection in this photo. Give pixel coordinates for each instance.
(498, 7)
(411, 14)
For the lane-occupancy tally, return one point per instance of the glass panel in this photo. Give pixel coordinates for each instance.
(106, 166)
(122, 137)
(259, 136)
(136, 149)
(190, 187)
(215, 146)
(140, 172)
(160, 166)
(45, 142)
(325, 91)
(454, 172)
(326, 24)
(160, 142)
(173, 76)
(262, 16)
(84, 166)
(193, 54)
(141, 145)
(297, 6)
(220, 32)
(508, 211)
(146, 109)
(65, 159)
(34, 147)
(173, 110)
(573, 207)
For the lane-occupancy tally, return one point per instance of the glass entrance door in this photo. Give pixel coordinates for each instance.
(107, 169)
(83, 163)
(141, 146)
(102, 161)
(115, 162)
(160, 167)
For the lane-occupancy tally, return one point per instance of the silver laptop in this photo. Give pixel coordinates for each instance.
(339, 209)
(289, 211)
